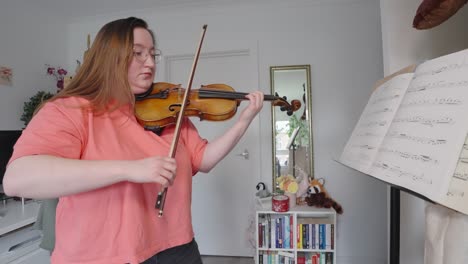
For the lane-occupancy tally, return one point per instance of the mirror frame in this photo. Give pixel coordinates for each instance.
(308, 104)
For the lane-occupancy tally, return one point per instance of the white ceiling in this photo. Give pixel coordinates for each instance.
(71, 9)
(74, 9)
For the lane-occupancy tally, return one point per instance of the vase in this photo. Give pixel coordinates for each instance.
(292, 199)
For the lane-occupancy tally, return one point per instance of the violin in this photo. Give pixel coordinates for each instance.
(161, 104)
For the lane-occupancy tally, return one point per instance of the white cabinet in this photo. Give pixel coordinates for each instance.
(302, 235)
(38, 256)
(19, 241)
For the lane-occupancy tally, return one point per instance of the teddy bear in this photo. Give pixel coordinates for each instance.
(318, 196)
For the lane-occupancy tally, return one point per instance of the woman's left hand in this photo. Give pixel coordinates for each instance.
(254, 107)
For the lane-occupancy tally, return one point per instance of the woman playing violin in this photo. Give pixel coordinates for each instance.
(86, 147)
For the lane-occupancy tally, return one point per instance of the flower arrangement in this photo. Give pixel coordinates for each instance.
(294, 184)
(288, 183)
(58, 73)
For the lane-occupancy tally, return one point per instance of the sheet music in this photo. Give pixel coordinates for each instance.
(457, 194)
(424, 141)
(362, 147)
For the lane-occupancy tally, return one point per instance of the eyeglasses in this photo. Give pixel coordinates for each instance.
(141, 55)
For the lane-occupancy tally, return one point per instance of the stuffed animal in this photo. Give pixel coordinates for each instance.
(262, 190)
(317, 196)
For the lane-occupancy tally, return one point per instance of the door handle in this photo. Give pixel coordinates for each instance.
(244, 154)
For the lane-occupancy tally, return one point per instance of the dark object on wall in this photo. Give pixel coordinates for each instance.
(7, 141)
(432, 13)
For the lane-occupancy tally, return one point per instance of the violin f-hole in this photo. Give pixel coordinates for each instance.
(173, 107)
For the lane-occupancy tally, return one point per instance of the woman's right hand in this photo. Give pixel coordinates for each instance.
(155, 169)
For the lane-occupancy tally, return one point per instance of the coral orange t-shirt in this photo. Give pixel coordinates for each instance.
(118, 223)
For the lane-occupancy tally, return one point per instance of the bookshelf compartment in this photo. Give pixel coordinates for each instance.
(302, 235)
(315, 233)
(276, 256)
(275, 231)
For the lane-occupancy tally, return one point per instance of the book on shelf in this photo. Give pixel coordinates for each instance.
(315, 233)
(301, 259)
(413, 131)
(275, 231)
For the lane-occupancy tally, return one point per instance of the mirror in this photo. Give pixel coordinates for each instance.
(292, 135)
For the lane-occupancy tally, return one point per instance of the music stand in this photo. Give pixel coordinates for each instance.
(291, 144)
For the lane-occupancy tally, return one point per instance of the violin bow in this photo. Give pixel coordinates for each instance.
(162, 195)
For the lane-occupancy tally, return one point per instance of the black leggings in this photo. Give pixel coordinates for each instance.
(183, 254)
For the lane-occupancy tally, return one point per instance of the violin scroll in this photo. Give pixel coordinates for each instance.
(282, 102)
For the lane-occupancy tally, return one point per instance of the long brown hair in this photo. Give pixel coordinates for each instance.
(102, 79)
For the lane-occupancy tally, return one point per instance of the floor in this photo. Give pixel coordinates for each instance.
(226, 260)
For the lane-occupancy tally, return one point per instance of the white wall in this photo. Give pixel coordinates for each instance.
(341, 40)
(402, 46)
(27, 42)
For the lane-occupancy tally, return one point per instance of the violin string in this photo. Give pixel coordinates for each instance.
(230, 95)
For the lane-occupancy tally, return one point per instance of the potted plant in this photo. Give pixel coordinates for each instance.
(31, 105)
(58, 73)
(302, 139)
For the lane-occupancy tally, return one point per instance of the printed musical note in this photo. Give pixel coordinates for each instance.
(386, 98)
(425, 121)
(461, 175)
(442, 69)
(408, 155)
(422, 140)
(438, 85)
(432, 101)
(374, 123)
(384, 110)
(363, 146)
(455, 193)
(368, 134)
(398, 172)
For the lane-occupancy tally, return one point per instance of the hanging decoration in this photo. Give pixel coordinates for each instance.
(6, 76)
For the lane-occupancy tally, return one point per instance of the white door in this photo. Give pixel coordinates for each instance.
(223, 199)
